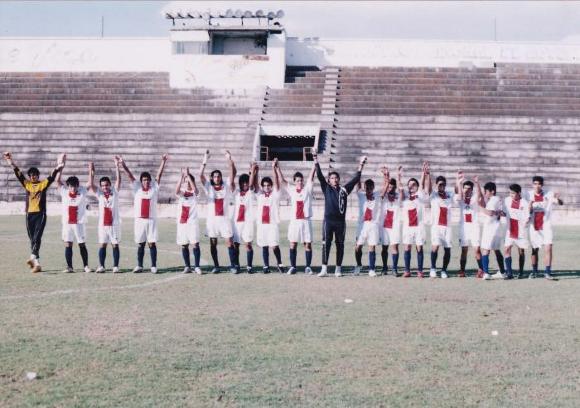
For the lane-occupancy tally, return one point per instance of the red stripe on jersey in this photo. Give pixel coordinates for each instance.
(107, 216)
(539, 221)
(516, 204)
(443, 216)
(300, 210)
(266, 214)
(539, 197)
(184, 214)
(218, 204)
(73, 212)
(413, 217)
(368, 214)
(389, 219)
(514, 228)
(145, 206)
(241, 214)
(468, 218)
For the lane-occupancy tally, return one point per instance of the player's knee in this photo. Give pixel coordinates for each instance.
(152, 245)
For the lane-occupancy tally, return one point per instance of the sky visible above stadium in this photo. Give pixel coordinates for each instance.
(501, 21)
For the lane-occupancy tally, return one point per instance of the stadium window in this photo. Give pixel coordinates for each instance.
(190, 47)
(238, 43)
(286, 148)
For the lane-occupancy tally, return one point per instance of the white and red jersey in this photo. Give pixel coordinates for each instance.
(493, 204)
(268, 207)
(413, 210)
(74, 205)
(391, 210)
(369, 210)
(186, 207)
(145, 201)
(517, 215)
(108, 208)
(218, 199)
(441, 204)
(542, 206)
(300, 201)
(468, 209)
(244, 205)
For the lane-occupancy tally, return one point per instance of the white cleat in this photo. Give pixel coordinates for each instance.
(68, 270)
(356, 271)
(308, 270)
(432, 273)
(137, 269)
(372, 273)
(187, 269)
(323, 271)
(100, 269)
(88, 269)
(291, 271)
(486, 276)
(153, 269)
(444, 275)
(498, 275)
(197, 270)
(338, 271)
(115, 269)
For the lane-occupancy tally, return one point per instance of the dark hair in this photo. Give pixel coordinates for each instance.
(539, 179)
(439, 179)
(144, 175)
(334, 173)
(266, 180)
(33, 171)
(489, 186)
(298, 175)
(393, 182)
(369, 184)
(516, 188)
(414, 180)
(211, 176)
(72, 181)
(105, 179)
(468, 183)
(244, 178)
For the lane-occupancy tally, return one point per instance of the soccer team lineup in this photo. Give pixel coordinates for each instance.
(243, 209)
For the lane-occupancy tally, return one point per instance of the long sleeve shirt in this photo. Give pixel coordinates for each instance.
(335, 198)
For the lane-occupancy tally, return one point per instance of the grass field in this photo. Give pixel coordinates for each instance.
(172, 340)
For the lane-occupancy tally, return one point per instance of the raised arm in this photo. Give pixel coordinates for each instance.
(459, 184)
(192, 181)
(275, 174)
(281, 178)
(161, 168)
(233, 170)
(126, 169)
(117, 174)
(256, 185)
(8, 157)
(356, 179)
(180, 182)
(312, 173)
(400, 182)
(321, 178)
(386, 178)
(426, 182)
(57, 172)
(480, 197)
(253, 173)
(202, 177)
(91, 179)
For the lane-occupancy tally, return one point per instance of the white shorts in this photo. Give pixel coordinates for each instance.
(187, 233)
(441, 236)
(414, 235)
(145, 230)
(110, 234)
(391, 236)
(521, 243)
(219, 227)
(491, 237)
(300, 231)
(73, 232)
(368, 233)
(469, 234)
(243, 232)
(268, 235)
(542, 237)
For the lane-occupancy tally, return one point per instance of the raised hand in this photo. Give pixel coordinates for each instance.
(275, 162)
(205, 157)
(165, 157)
(363, 160)
(7, 156)
(476, 179)
(228, 155)
(91, 167)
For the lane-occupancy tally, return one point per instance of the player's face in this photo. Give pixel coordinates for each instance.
(146, 183)
(538, 187)
(391, 188)
(244, 186)
(369, 189)
(34, 178)
(106, 186)
(413, 187)
(267, 187)
(488, 193)
(73, 189)
(514, 195)
(217, 179)
(441, 187)
(467, 191)
(333, 180)
(299, 181)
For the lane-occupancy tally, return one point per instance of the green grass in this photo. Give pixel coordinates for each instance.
(173, 340)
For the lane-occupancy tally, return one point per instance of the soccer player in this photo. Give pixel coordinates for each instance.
(517, 213)
(369, 209)
(541, 224)
(218, 222)
(335, 202)
(109, 230)
(187, 224)
(145, 197)
(244, 202)
(268, 218)
(413, 208)
(467, 199)
(74, 208)
(300, 226)
(491, 239)
(391, 222)
(441, 203)
(35, 206)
